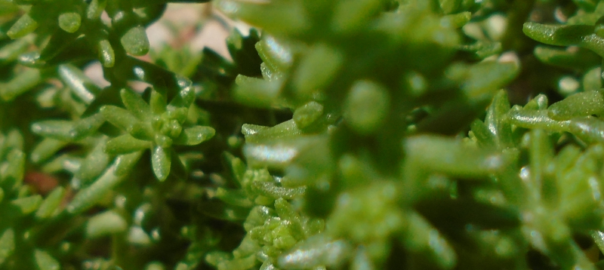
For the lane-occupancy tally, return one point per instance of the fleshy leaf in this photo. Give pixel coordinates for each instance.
(7, 245)
(161, 160)
(45, 261)
(91, 195)
(135, 41)
(119, 117)
(70, 22)
(136, 105)
(125, 144)
(50, 205)
(106, 223)
(195, 135)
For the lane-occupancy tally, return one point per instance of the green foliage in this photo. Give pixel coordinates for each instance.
(364, 134)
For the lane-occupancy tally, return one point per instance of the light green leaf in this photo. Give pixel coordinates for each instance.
(161, 160)
(79, 83)
(95, 9)
(119, 117)
(46, 149)
(16, 167)
(95, 163)
(136, 105)
(126, 144)
(22, 27)
(7, 245)
(366, 106)
(70, 21)
(50, 205)
(195, 135)
(423, 238)
(45, 261)
(125, 163)
(106, 53)
(23, 82)
(185, 97)
(91, 195)
(57, 129)
(106, 223)
(28, 205)
(578, 105)
(307, 114)
(135, 41)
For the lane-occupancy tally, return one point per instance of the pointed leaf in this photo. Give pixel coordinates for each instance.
(260, 134)
(565, 35)
(87, 126)
(195, 135)
(28, 204)
(496, 120)
(489, 76)
(50, 205)
(119, 117)
(136, 105)
(46, 149)
(560, 35)
(578, 105)
(307, 114)
(125, 144)
(10, 52)
(7, 245)
(142, 131)
(236, 167)
(571, 58)
(185, 97)
(88, 197)
(20, 84)
(157, 102)
(22, 27)
(95, 163)
(16, 166)
(45, 261)
(125, 163)
(423, 238)
(234, 197)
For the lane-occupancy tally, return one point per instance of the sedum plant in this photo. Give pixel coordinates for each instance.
(363, 134)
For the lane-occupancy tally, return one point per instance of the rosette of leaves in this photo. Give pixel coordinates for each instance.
(272, 224)
(156, 125)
